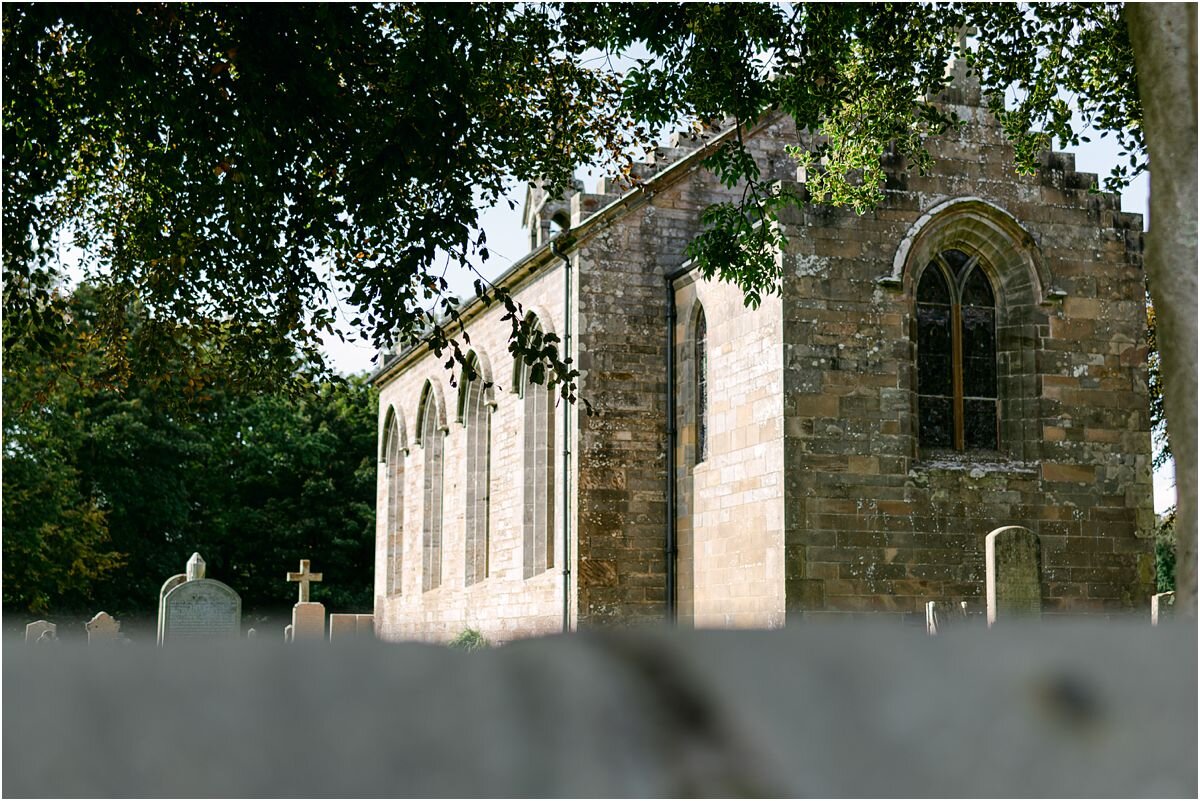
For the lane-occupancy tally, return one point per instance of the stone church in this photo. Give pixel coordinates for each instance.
(970, 354)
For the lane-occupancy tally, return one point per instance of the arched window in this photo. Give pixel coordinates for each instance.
(432, 442)
(956, 354)
(701, 389)
(476, 406)
(393, 457)
(538, 401)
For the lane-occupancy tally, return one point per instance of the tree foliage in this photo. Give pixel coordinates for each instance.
(234, 173)
(260, 167)
(112, 480)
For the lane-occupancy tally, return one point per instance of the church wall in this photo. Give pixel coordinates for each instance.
(874, 524)
(730, 502)
(622, 359)
(504, 605)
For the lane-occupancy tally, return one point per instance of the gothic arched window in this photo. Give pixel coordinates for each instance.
(432, 442)
(393, 456)
(701, 389)
(538, 400)
(956, 354)
(477, 417)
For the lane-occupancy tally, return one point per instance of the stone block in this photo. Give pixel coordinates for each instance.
(308, 622)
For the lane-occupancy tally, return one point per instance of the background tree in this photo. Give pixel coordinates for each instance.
(112, 480)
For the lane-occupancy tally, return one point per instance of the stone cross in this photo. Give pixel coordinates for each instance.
(304, 577)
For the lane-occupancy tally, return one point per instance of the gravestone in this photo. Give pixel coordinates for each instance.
(308, 622)
(308, 618)
(348, 627)
(940, 616)
(168, 585)
(103, 629)
(287, 632)
(1162, 607)
(35, 630)
(198, 608)
(1013, 557)
(251, 634)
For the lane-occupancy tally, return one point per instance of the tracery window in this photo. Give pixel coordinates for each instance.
(477, 417)
(956, 354)
(538, 401)
(701, 389)
(394, 524)
(429, 424)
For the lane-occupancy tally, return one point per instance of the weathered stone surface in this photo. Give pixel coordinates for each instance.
(195, 567)
(345, 626)
(304, 577)
(816, 497)
(103, 629)
(1014, 574)
(308, 622)
(851, 712)
(201, 609)
(34, 630)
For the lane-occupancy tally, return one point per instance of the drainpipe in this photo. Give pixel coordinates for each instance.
(566, 439)
(670, 547)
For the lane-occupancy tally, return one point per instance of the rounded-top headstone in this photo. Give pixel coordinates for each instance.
(195, 568)
(201, 609)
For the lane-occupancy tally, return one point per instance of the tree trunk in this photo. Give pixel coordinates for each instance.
(1164, 48)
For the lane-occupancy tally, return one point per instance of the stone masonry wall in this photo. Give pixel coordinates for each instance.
(622, 343)
(875, 523)
(730, 504)
(504, 605)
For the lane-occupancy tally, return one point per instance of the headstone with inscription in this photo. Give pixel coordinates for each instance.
(35, 630)
(199, 608)
(1013, 557)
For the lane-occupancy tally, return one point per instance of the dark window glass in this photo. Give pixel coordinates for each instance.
(956, 356)
(955, 260)
(934, 350)
(979, 424)
(979, 352)
(937, 422)
(932, 288)
(978, 290)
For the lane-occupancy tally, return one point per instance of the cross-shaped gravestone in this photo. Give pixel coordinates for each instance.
(304, 577)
